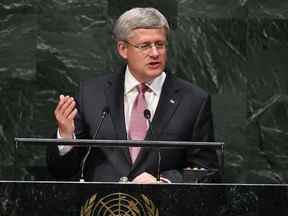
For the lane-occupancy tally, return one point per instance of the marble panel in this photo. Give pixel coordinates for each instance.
(272, 9)
(17, 71)
(267, 99)
(214, 9)
(235, 49)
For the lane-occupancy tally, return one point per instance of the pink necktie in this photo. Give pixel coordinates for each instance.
(138, 125)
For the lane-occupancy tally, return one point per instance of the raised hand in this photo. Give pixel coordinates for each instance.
(65, 113)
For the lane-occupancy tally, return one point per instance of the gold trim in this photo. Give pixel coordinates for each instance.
(87, 208)
(119, 204)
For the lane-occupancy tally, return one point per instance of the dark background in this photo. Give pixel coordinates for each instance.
(235, 49)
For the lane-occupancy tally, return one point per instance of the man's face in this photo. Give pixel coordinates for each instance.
(145, 61)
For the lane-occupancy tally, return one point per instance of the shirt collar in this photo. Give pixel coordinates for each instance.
(155, 85)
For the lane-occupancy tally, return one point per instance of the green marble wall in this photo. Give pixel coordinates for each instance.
(235, 49)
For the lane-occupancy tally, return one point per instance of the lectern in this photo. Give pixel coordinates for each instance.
(127, 199)
(192, 174)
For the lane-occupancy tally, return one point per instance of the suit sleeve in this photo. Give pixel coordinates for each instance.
(63, 167)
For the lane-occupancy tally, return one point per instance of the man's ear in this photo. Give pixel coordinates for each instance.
(122, 49)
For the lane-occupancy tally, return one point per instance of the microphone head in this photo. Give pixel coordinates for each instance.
(105, 111)
(147, 114)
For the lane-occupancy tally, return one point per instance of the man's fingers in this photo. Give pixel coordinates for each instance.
(63, 104)
(60, 103)
(62, 100)
(67, 101)
(72, 115)
(144, 178)
(65, 109)
(69, 109)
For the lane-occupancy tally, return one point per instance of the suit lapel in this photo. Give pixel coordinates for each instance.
(169, 100)
(114, 95)
(115, 98)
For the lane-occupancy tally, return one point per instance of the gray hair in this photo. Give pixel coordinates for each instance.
(138, 18)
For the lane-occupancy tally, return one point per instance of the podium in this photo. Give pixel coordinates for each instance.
(115, 199)
(194, 174)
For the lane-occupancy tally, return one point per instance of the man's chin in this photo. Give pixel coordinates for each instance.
(155, 71)
(152, 74)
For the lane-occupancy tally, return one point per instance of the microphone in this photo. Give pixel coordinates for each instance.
(147, 115)
(103, 115)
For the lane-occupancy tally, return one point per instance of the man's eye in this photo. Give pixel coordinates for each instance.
(159, 44)
(144, 46)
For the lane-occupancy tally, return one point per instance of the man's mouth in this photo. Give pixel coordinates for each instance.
(154, 64)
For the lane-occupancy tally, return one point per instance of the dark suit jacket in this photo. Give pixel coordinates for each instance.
(183, 114)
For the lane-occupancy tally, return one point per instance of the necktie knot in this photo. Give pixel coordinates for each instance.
(142, 88)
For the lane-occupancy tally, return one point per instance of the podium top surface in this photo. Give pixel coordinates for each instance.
(117, 143)
(136, 184)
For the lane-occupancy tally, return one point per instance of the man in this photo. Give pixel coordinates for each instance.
(179, 111)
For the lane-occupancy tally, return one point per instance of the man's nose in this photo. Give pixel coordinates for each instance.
(154, 51)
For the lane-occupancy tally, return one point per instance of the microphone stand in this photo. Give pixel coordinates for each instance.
(147, 115)
(104, 113)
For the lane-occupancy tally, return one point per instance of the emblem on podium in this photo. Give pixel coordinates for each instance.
(119, 204)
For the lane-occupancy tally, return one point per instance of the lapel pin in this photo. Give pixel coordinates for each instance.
(172, 101)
